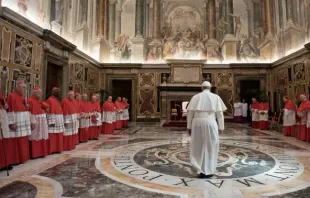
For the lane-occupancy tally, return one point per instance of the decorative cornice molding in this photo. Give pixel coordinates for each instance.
(289, 57)
(58, 41)
(121, 65)
(250, 65)
(81, 54)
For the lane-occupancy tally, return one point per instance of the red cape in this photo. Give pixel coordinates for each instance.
(77, 105)
(35, 106)
(264, 106)
(94, 106)
(54, 105)
(289, 105)
(16, 102)
(255, 105)
(119, 105)
(68, 106)
(304, 106)
(84, 107)
(108, 106)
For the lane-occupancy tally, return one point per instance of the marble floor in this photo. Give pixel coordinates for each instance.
(149, 161)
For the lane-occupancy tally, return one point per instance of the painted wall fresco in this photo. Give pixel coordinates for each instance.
(136, 31)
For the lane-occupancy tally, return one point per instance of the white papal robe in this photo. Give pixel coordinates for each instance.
(203, 110)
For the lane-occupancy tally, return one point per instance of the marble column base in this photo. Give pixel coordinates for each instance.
(267, 51)
(56, 27)
(82, 37)
(229, 48)
(293, 38)
(138, 53)
(105, 48)
(212, 46)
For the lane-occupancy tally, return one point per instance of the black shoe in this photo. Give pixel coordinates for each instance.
(203, 176)
(4, 168)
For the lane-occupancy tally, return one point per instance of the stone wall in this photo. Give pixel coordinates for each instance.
(290, 77)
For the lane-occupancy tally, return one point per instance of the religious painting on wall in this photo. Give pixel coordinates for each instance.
(122, 50)
(23, 51)
(4, 75)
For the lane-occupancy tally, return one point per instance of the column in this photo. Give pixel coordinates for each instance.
(112, 8)
(211, 18)
(228, 18)
(229, 43)
(150, 21)
(101, 18)
(156, 19)
(289, 11)
(268, 18)
(118, 22)
(147, 16)
(139, 22)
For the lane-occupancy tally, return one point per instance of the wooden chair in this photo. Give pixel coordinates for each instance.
(275, 122)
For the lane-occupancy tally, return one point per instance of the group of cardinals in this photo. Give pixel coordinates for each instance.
(32, 128)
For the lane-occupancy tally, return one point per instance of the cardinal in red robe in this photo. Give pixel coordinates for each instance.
(263, 115)
(289, 117)
(39, 130)
(17, 144)
(76, 101)
(4, 130)
(70, 119)
(108, 108)
(119, 113)
(95, 121)
(84, 120)
(255, 114)
(302, 112)
(126, 112)
(55, 122)
(100, 115)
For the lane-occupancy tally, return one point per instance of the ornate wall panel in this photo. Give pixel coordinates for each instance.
(147, 102)
(22, 58)
(227, 97)
(225, 80)
(147, 79)
(83, 76)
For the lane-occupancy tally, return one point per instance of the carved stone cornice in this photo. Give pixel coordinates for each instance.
(250, 65)
(292, 56)
(84, 56)
(58, 41)
(121, 65)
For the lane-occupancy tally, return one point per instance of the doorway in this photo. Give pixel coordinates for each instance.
(123, 88)
(54, 78)
(245, 89)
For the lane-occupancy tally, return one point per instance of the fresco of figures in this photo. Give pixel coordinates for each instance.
(215, 30)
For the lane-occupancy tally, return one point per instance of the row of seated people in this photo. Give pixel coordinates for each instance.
(31, 128)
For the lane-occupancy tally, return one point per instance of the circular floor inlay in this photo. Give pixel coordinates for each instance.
(240, 164)
(233, 161)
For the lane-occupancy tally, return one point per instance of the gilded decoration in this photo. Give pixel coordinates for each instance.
(6, 44)
(39, 53)
(225, 80)
(4, 75)
(299, 72)
(102, 78)
(79, 72)
(147, 79)
(23, 51)
(147, 99)
(36, 80)
(281, 77)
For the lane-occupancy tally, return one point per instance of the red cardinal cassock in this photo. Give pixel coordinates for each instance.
(39, 130)
(108, 110)
(78, 110)
(84, 121)
(5, 130)
(289, 118)
(125, 113)
(263, 115)
(119, 115)
(19, 120)
(255, 115)
(70, 120)
(95, 121)
(303, 113)
(55, 123)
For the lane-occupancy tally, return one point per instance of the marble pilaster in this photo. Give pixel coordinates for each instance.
(112, 9)
(289, 11)
(268, 18)
(228, 18)
(156, 19)
(211, 10)
(139, 21)
(101, 18)
(147, 16)
(118, 22)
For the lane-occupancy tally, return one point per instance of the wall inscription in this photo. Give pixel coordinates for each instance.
(186, 74)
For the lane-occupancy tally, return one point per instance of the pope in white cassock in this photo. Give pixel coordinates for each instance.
(203, 111)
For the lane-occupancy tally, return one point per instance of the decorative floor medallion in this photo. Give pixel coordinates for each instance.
(240, 164)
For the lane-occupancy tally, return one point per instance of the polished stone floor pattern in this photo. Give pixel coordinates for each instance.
(149, 161)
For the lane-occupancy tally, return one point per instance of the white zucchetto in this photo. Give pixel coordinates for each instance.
(206, 84)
